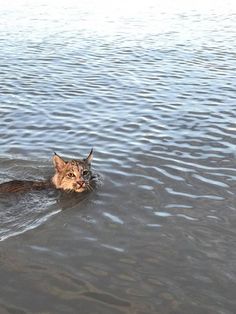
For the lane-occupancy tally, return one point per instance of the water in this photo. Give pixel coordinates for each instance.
(151, 87)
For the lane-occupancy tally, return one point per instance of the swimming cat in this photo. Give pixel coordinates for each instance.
(73, 175)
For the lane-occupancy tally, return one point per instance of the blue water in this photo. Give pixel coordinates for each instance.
(151, 87)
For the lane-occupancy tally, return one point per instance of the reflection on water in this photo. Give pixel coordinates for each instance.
(151, 87)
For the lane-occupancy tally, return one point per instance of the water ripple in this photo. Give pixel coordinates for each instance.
(157, 104)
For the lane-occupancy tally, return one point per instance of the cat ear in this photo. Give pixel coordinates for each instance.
(58, 162)
(90, 157)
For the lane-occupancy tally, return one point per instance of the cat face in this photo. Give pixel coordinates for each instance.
(74, 175)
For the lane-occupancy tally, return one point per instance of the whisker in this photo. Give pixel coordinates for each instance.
(90, 188)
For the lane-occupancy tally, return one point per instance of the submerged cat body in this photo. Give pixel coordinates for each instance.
(70, 176)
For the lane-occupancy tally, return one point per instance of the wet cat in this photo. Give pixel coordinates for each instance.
(74, 175)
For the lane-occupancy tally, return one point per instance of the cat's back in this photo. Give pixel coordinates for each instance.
(21, 186)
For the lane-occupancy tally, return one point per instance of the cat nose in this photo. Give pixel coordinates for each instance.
(81, 183)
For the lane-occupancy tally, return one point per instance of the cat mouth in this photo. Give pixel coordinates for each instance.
(80, 190)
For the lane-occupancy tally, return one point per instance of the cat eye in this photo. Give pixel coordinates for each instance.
(85, 172)
(71, 175)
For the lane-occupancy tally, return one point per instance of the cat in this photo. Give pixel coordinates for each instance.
(70, 176)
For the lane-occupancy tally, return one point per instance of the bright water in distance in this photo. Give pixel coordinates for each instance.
(151, 88)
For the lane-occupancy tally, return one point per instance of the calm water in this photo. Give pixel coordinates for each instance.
(151, 87)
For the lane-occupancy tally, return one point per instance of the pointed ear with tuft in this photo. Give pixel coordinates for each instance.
(90, 157)
(58, 162)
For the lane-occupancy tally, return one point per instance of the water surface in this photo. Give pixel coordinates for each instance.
(151, 87)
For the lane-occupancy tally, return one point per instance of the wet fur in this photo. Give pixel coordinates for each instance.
(74, 175)
(18, 186)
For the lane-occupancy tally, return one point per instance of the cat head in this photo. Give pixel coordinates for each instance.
(73, 175)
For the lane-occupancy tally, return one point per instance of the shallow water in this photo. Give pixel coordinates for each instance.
(151, 87)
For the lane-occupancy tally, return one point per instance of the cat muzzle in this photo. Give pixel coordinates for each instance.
(81, 184)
